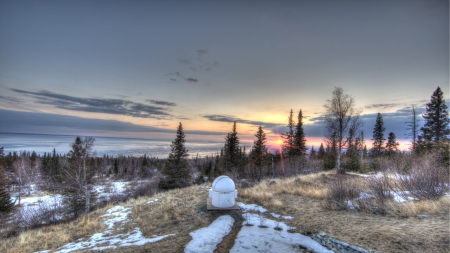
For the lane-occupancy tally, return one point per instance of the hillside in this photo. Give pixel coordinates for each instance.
(163, 223)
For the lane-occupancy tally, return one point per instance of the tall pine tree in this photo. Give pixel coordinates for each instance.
(392, 144)
(378, 136)
(436, 118)
(6, 205)
(299, 147)
(176, 170)
(288, 143)
(258, 155)
(232, 154)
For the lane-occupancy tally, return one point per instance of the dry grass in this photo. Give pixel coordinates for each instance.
(183, 211)
(52, 237)
(264, 193)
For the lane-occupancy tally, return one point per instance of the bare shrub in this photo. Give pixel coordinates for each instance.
(262, 221)
(277, 226)
(379, 187)
(425, 182)
(340, 191)
(146, 188)
(247, 219)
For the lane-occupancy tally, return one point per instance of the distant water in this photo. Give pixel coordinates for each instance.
(111, 146)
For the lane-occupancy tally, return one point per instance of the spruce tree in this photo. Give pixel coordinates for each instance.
(258, 155)
(231, 150)
(351, 157)
(392, 144)
(288, 143)
(6, 205)
(436, 118)
(313, 154)
(176, 170)
(299, 147)
(378, 136)
(321, 152)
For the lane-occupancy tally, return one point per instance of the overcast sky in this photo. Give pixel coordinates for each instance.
(137, 68)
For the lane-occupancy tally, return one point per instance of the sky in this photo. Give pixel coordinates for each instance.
(138, 68)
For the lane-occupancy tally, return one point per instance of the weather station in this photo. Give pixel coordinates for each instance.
(223, 194)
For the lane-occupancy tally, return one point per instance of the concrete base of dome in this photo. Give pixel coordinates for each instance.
(210, 207)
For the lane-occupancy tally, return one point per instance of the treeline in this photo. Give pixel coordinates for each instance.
(344, 149)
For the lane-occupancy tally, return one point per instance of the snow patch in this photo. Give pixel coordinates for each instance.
(251, 207)
(256, 239)
(206, 239)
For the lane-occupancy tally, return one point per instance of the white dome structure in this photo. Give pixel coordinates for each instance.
(223, 192)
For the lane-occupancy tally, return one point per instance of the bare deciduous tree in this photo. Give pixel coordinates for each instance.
(339, 118)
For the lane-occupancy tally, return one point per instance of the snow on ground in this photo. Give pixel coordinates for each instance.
(258, 239)
(115, 188)
(251, 207)
(116, 216)
(206, 239)
(152, 201)
(275, 215)
(31, 206)
(400, 196)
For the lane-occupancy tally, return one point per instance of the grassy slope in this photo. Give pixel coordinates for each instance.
(182, 211)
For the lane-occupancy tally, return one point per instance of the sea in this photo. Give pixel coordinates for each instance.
(111, 146)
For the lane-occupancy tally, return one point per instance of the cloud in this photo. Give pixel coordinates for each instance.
(173, 79)
(227, 118)
(158, 102)
(177, 73)
(393, 122)
(98, 105)
(11, 99)
(184, 61)
(390, 105)
(201, 53)
(192, 80)
(31, 122)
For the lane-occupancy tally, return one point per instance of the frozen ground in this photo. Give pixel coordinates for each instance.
(258, 234)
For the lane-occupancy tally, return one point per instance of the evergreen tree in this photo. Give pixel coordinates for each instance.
(6, 205)
(258, 155)
(288, 143)
(378, 136)
(299, 147)
(436, 118)
(331, 154)
(392, 144)
(313, 154)
(232, 153)
(176, 170)
(351, 157)
(321, 152)
(365, 152)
